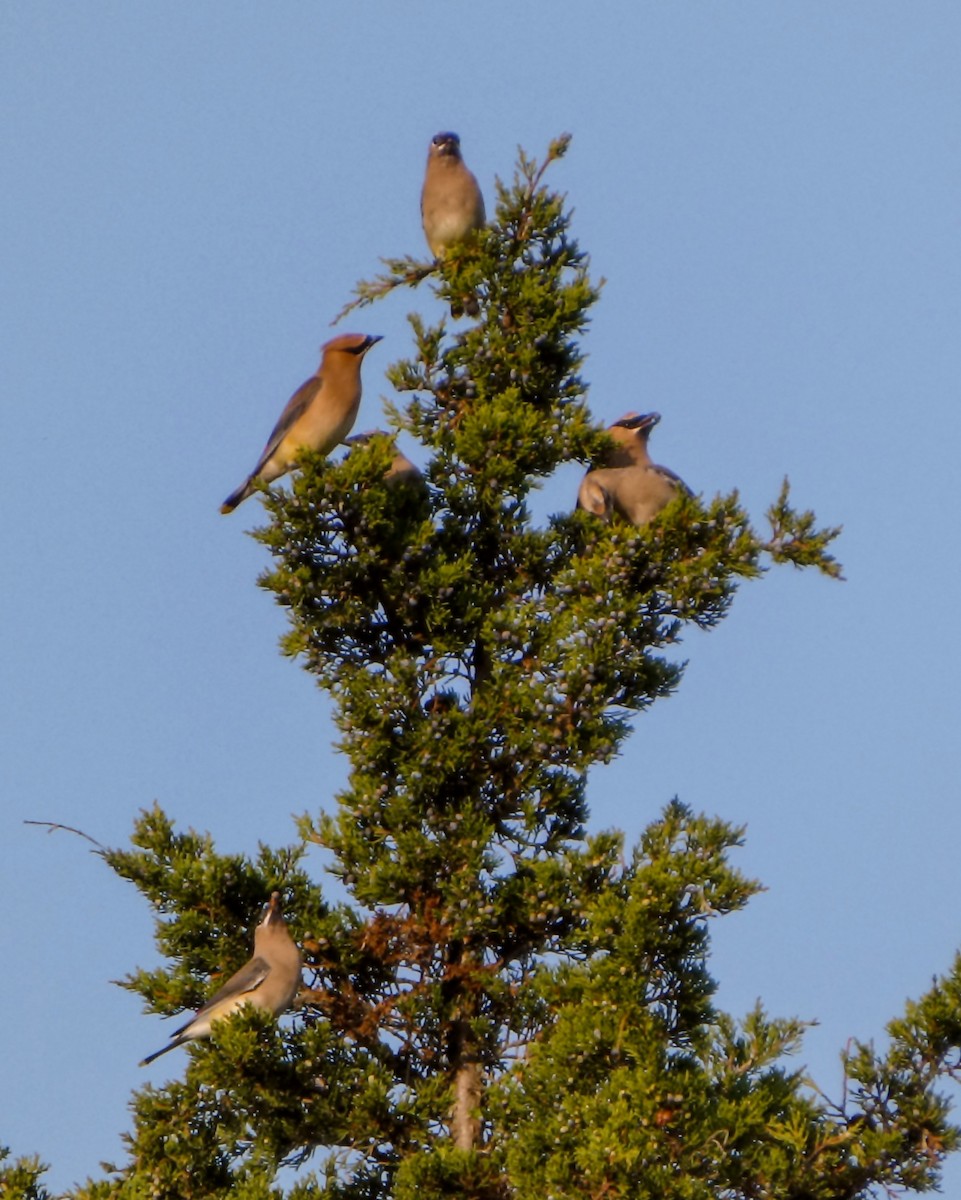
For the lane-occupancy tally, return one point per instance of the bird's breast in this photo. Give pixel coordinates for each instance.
(324, 424)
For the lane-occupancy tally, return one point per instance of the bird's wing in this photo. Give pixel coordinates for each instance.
(667, 473)
(594, 496)
(250, 976)
(297, 405)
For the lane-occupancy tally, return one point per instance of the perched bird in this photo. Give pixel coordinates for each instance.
(318, 415)
(628, 482)
(269, 980)
(401, 469)
(451, 204)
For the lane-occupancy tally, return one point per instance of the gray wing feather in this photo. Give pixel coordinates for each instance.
(250, 976)
(669, 474)
(297, 405)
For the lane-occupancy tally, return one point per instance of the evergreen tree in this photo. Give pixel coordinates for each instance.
(508, 1005)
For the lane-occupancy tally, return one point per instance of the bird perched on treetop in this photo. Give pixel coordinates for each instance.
(628, 482)
(269, 980)
(451, 204)
(318, 415)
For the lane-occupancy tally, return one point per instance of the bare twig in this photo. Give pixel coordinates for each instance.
(52, 825)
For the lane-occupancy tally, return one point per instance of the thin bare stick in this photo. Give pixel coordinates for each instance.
(52, 825)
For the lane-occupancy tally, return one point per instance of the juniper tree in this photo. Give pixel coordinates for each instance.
(506, 1004)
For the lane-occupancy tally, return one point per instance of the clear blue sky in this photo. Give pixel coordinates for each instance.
(773, 194)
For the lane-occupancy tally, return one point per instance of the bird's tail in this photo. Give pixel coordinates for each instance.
(237, 497)
(157, 1053)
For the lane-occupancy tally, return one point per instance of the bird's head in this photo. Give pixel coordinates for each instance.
(629, 435)
(633, 427)
(363, 439)
(351, 343)
(273, 912)
(445, 145)
(634, 424)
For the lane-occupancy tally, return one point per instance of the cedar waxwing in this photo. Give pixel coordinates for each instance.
(401, 469)
(318, 415)
(629, 483)
(451, 204)
(270, 980)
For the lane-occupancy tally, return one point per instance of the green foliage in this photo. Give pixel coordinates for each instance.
(639, 1088)
(795, 539)
(506, 1007)
(20, 1180)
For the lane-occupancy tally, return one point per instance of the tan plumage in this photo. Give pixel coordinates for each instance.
(451, 203)
(269, 980)
(628, 482)
(319, 414)
(401, 469)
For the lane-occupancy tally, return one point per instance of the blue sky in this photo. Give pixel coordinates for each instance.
(771, 192)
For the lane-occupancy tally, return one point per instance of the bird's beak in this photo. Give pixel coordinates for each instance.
(642, 421)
